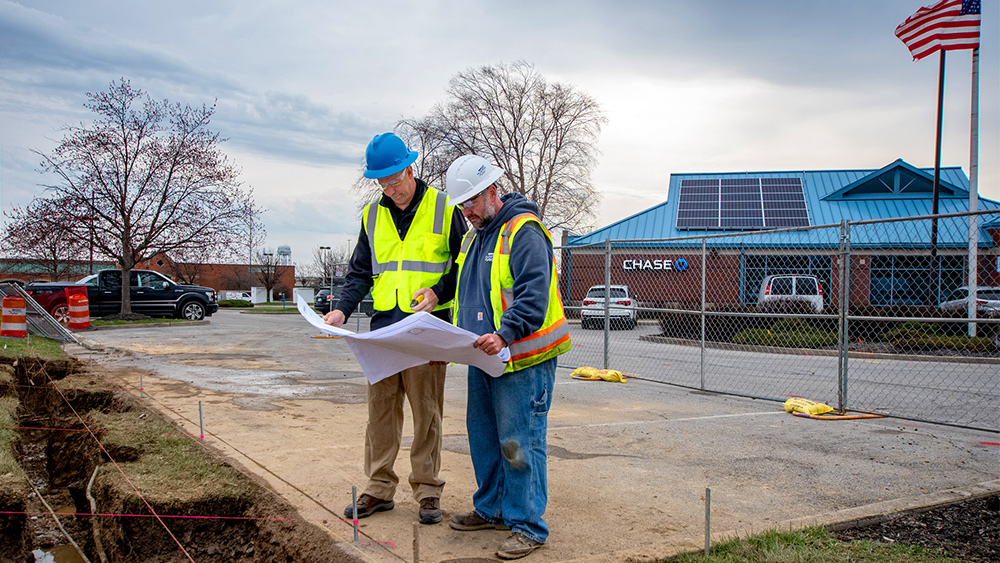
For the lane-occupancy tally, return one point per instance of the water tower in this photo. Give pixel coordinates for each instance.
(284, 255)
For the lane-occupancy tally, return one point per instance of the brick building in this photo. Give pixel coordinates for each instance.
(221, 277)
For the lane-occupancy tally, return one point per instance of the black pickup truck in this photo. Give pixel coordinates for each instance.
(152, 294)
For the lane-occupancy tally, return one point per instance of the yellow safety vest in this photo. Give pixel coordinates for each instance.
(552, 338)
(401, 267)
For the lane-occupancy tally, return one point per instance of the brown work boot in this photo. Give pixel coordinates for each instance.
(473, 521)
(430, 510)
(368, 505)
(516, 546)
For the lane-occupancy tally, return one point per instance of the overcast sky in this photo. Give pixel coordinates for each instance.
(686, 86)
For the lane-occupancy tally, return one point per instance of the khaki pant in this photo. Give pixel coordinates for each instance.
(424, 387)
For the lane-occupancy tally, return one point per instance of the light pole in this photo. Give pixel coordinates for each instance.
(329, 262)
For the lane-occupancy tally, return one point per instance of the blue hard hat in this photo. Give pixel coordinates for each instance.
(386, 155)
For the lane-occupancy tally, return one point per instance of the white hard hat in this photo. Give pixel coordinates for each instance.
(469, 175)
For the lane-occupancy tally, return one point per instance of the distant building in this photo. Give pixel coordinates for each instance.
(221, 277)
(891, 261)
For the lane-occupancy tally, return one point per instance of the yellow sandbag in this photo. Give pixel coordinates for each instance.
(806, 406)
(594, 374)
(611, 375)
(585, 373)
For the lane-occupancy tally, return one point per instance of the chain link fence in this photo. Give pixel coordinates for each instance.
(868, 316)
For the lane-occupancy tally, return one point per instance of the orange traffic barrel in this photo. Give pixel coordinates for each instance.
(13, 323)
(79, 312)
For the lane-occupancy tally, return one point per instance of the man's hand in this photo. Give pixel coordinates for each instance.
(490, 343)
(427, 302)
(334, 317)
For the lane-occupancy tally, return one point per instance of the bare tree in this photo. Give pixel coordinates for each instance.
(147, 177)
(238, 277)
(185, 266)
(542, 134)
(266, 271)
(34, 238)
(252, 225)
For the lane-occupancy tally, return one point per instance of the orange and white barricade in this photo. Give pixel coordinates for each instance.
(79, 312)
(13, 323)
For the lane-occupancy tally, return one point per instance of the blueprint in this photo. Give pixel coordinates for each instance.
(417, 339)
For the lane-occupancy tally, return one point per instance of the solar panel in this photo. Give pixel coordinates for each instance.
(741, 204)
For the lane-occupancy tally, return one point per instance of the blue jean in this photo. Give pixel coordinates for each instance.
(507, 418)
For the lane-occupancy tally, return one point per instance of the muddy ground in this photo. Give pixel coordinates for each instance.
(60, 443)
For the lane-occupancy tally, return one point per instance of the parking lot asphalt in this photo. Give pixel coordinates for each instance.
(629, 464)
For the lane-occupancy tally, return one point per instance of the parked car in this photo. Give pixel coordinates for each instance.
(622, 308)
(151, 293)
(791, 287)
(324, 301)
(987, 301)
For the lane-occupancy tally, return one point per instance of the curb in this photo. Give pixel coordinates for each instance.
(147, 325)
(815, 352)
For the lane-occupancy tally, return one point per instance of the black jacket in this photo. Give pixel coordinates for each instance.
(359, 273)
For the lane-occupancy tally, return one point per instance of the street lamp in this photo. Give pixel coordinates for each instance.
(329, 260)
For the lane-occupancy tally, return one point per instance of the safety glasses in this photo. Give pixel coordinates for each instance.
(391, 183)
(472, 200)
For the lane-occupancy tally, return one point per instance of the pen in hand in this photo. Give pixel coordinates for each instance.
(417, 300)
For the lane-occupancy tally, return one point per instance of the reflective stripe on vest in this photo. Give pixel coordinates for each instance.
(401, 267)
(552, 338)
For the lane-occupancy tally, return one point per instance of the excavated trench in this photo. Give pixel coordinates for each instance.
(62, 411)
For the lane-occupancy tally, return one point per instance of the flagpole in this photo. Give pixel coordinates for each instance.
(974, 192)
(934, 289)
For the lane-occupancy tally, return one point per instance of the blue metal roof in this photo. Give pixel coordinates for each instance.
(831, 196)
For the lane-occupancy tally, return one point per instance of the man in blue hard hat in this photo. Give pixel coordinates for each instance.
(410, 237)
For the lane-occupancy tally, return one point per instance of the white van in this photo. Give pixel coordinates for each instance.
(791, 287)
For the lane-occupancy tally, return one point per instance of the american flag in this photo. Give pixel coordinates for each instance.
(947, 25)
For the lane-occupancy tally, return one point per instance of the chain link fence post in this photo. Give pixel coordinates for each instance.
(607, 303)
(704, 245)
(845, 293)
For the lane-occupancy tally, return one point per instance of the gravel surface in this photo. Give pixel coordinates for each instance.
(969, 530)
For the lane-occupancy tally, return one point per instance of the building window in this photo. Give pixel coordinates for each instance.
(909, 280)
(756, 267)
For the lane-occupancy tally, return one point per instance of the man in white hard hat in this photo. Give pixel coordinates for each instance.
(410, 237)
(507, 293)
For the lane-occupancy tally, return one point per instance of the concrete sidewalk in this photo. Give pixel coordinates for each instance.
(628, 463)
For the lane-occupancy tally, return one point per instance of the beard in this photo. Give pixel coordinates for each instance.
(489, 213)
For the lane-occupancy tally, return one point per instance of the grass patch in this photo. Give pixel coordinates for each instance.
(271, 310)
(162, 464)
(33, 346)
(913, 340)
(791, 333)
(910, 327)
(812, 545)
(10, 470)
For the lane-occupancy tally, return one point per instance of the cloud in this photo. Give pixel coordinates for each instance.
(291, 126)
(50, 63)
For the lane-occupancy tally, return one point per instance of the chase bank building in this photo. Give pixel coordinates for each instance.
(731, 219)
